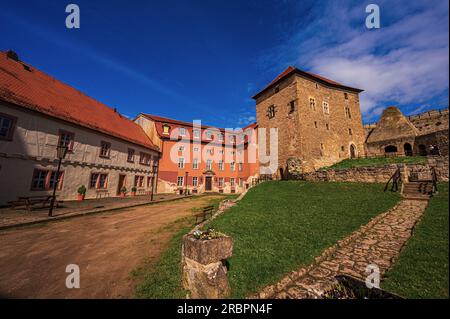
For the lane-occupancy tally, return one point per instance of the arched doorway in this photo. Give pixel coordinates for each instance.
(390, 150)
(422, 150)
(408, 149)
(352, 151)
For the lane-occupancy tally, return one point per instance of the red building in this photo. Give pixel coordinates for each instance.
(202, 158)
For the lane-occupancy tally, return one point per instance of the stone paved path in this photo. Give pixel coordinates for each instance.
(378, 242)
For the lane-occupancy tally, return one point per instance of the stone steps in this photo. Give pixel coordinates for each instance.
(420, 190)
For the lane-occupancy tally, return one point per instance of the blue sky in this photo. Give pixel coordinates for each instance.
(205, 59)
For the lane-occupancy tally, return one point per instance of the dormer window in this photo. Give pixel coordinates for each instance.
(166, 129)
(182, 131)
(208, 135)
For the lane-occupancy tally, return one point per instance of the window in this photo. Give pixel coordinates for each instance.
(46, 179)
(195, 163)
(277, 89)
(182, 131)
(221, 152)
(145, 159)
(232, 182)
(209, 164)
(347, 112)
(312, 103)
(7, 124)
(98, 181)
(195, 181)
(66, 139)
(105, 149)
(350, 131)
(342, 148)
(130, 157)
(221, 165)
(241, 182)
(180, 181)
(208, 135)
(220, 181)
(317, 86)
(315, 124)
(271, 111)
(196, 133)
(209, 151)
(196, 149)
(149, 181)
(291, 107)
(322, 146)
(232, 166)
(326, 108)
(166, 129)
(181, 162)
(241, 166)
(327, 126)
(345, 96)
(181, 148)
(139, 181)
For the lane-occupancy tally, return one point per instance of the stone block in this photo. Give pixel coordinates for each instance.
(207, 251)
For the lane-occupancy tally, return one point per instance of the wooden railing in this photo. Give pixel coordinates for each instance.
(395, 178)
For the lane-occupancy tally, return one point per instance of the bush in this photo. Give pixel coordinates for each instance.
(134, 189)
(82, 190)
(123, 189)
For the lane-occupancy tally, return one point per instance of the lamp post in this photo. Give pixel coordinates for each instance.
(186, 184)
(61, 151)
(155, 179)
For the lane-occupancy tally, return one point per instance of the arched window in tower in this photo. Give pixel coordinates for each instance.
(271, 111)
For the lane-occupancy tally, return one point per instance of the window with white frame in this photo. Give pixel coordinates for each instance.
(181, 148)
(182, 131)
(181, 162)
(208, 135)
(195, 181)
(7, 124)
(221, 165)
(180, 180)
(232, 182)
(196, 133)
(326, 108)
(209, 164)
(232, 166)
(195, 163)
(241, 167)
(220, 181)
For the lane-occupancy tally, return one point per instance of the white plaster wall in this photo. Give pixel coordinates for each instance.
(34, 146)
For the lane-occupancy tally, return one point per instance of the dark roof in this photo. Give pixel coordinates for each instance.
(293, 70)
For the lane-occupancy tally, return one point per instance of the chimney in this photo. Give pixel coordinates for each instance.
(12, 55)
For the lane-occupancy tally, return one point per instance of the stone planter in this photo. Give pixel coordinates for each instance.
(204, 270)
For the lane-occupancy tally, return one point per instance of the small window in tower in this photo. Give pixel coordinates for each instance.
(271, 111)
(291, 107)
(312, 103)
(315, 124)
(277, 89)
(342, 148)
(327, 126)
(350, 131)
(317, 86)
(346, 96)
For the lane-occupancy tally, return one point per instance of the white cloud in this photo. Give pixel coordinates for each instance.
(404, 62)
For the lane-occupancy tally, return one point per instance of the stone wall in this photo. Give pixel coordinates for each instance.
(378, 174)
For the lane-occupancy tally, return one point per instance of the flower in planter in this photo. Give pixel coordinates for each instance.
(82, 190)
(210, 233)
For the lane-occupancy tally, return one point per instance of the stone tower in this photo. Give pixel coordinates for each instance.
(318, 120)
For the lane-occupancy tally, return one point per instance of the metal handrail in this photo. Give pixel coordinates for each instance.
(395, 178)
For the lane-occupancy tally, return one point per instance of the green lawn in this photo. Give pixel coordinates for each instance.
(282, 225)
(162, 280)
(278, 227)
(376, 161)
(422, 269)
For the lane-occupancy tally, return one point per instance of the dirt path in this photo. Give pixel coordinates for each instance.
(106, 247)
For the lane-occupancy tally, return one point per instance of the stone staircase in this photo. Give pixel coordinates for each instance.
(421, 190)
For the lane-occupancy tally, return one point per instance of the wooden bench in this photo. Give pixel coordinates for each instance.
(203, 215)
(30, 201)
(99, 193)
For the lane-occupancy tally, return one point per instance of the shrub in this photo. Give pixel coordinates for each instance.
(82, 190)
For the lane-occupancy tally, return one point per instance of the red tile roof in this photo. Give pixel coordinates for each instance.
(175, 124)
(293, 70)
(39, 92)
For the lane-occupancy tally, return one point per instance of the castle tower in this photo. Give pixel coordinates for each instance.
(318, 120)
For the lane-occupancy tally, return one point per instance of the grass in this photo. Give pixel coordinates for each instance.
(422, 268)
(377, 161)
(162, 279)
(282, 225)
